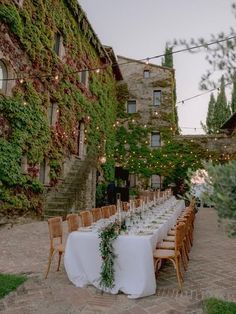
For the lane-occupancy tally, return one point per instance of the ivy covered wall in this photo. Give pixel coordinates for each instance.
(43, 78)
(176, 154)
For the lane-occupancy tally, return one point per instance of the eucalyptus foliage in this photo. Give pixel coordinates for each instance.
(107, 236)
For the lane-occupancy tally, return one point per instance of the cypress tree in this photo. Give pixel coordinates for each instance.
(233, 98)
(222, 110)
(168, 59)
(209, 127)
(168, 62)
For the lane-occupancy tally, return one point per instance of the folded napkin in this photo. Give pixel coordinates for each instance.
(85, 229)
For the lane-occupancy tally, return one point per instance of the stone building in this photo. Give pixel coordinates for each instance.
(151, 106)
(57, 107)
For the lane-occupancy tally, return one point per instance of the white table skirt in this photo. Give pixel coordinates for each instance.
(134, 269)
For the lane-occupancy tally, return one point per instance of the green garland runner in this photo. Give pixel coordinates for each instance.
(108, 235)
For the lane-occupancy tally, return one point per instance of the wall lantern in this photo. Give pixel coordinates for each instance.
(102, 159)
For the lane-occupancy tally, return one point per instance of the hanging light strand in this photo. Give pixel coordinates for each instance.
(146, 60)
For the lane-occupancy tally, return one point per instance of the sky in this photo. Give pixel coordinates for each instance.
(139, 29)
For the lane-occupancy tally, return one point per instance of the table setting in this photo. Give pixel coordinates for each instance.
(134, 235)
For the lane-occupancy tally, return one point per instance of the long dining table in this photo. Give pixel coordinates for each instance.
(133, 265)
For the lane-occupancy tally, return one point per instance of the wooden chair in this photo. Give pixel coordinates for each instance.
(96, 213)
(169, 244)
(125, 206)
(74, 222)
(113, 209)
(172, 255)
(55, 234)
(86, 218)
(106, 211)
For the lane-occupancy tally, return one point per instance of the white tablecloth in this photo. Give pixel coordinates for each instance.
(134, 269)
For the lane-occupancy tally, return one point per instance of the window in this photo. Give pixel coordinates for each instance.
(146, 73)
(3, 77)
(155, 181)
(81, 140)
(44, 172)
(52, 114)
(57, 43)
(131, 106)
(155, 139)
(132, 180)
(24, 164)
(58, 46)
(156, 98)
(84, 77)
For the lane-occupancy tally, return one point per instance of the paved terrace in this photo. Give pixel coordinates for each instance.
(211, 272)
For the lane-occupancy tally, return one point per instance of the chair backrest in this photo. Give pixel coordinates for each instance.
(55, 229)
(96, 213)
(137, 202)
(192, 203)
(106, 211)
(179, 236)
(86, 218)
(74, 222)
(125, 206)
(112, 210)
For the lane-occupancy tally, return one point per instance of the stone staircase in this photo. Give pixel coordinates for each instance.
(63, 198)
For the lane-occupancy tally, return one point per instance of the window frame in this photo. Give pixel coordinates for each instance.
(84, 77)
(3, 86)
(151, 183)
(152, 135)
(53, 114)
(57, 44)
(155, 103)
(145, 72)
(131, 102)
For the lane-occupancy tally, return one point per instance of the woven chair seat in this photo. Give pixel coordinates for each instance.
(166, 245)
(164, 253)
(170, 238)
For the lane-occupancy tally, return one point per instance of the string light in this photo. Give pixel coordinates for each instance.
(201, 94)
(146, 60)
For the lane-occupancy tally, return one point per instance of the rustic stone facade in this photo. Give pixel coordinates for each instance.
(143, 81)
(151, 103)
(57, 79)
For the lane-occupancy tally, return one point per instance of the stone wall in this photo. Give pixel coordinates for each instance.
(141, 89)
(219, 143)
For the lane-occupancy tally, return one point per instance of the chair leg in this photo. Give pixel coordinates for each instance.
(178, 272)
(49, 263)
(59, 261)
(188, 243)
(184, 259)
(176, 264)
(186, 250)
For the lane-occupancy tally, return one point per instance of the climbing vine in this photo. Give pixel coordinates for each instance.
(48, 79)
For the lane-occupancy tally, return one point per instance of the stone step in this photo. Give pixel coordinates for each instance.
(61, 198)
(52, 213)
(61, 206)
